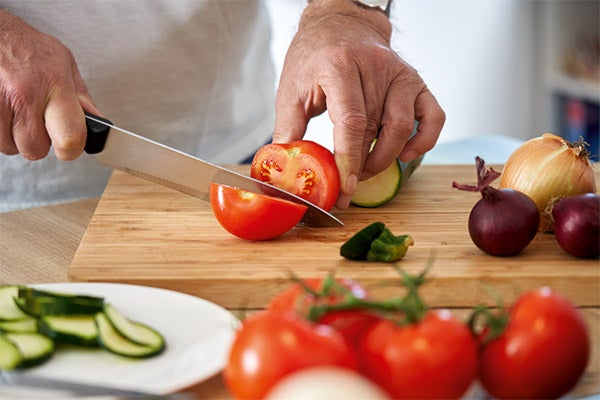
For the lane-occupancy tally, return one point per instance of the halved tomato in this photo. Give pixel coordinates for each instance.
(303, 167)
(253, 216)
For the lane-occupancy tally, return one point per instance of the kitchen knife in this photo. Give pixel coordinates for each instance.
(126, 151)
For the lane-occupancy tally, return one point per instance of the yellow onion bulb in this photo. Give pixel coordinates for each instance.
(547, 168)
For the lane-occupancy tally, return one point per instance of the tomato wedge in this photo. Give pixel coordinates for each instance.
(303, 167)
(253, 216)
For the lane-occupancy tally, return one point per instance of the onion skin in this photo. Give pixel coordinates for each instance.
(546, 168)
(577, 225)
(503, 228)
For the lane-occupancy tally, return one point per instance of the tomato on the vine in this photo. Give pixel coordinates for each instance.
(303, 167)
(351, 323)
(542, 352)
(253, 216)
(270, 345)
(435, 357)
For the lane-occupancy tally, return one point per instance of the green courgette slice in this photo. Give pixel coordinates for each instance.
(39, 302)
(135, 331)
(115, 342)
(74, 329)
(10, 356)
(379, 189)
(34, 347)
(8, 308)
(26, 324)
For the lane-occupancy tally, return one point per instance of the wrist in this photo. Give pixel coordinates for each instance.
(383, 6)
(359, 11)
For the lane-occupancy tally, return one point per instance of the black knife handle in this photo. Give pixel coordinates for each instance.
(96, 133)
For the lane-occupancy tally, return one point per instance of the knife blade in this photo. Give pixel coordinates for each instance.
(120, 149)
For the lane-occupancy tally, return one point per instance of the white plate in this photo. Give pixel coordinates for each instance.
(198, 335)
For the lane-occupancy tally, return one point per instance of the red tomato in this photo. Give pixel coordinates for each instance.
(270, 345)
(434, 358)
(253, 216)
(352, 324)
(541, 354)
(303, 168)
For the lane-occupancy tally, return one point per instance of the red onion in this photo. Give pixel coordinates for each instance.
(503, 222)
(577, 224)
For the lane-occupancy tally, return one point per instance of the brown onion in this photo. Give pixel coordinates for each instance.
(577, 225)
(546, 168)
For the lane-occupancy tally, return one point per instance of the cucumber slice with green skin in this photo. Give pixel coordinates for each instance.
(135, 331)
(74, 329)
(27, 324)
(34, 347)
(39, 302)
(113, 341)
(9, 310)
(383, 187)
(379, 189)
(10, 356)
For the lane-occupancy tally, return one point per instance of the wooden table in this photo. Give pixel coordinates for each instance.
(38, 245)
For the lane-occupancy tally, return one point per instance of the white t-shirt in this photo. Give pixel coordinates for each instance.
(195, 75)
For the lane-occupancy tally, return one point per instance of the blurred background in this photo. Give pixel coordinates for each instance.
(503, 70)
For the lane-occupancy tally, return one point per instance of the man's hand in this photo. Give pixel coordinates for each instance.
(340, 60)
(42, 94)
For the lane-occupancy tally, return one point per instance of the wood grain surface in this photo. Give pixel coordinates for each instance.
(143, 233)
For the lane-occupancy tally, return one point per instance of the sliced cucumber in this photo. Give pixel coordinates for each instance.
(27, 324)
(115, 342)
(8, 308)
(75, 329)
(34, 347)
(383, 187)
(378, 189)
(135, 331)
(10, 356)
(39, 302)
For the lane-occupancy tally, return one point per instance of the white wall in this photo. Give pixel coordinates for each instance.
(477, 57)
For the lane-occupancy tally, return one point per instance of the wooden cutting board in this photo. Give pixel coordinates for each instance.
(142, 233)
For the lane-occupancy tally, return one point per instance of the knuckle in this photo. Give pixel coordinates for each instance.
(68, 148)
(355, 122)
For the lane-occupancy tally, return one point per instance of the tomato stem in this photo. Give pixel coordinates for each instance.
(405, 310)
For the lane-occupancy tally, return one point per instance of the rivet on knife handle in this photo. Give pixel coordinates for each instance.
(97, 133)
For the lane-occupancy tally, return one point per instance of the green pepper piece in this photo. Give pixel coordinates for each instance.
(357, 247)
(389, 248)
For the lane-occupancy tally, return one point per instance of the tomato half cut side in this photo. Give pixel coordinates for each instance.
(253, 216)
(303, 167)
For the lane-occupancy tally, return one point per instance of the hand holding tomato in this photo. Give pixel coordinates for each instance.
(341, 61)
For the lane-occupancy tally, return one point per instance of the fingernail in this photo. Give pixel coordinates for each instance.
(343, 202)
